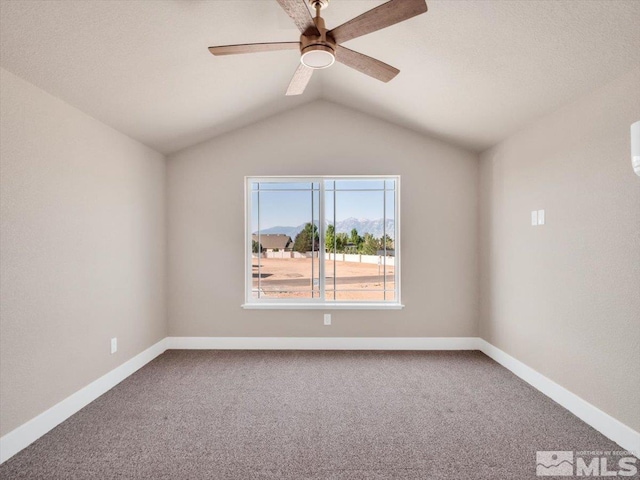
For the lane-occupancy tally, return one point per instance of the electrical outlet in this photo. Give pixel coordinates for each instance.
(114, 345)
(327, 319)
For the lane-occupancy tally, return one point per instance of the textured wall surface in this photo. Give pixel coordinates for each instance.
(206, 225)
(564, 298)
(81, 251)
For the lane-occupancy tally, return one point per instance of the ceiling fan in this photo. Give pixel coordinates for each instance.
(320, 48)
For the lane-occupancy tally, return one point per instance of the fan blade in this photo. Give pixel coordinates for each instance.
(299, 13)
(387, 14)
(367, 65)
(300, 80)
(253, 48)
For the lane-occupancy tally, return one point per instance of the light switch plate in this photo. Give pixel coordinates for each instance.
(540, 217)
(534, 217)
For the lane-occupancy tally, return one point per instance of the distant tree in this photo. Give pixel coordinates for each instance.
(334, 240)
(302, 243)
(369, 246)
(341, 242)
(330, 239)
(307, 240)
(256, 247)
(355, 238)
(386, 239)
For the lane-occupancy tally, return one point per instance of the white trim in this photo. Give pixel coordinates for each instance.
(24, 435)
(611, 428)
(321, 247)
(397, 251)
(322, 343)
(319, 303)
(29, 432)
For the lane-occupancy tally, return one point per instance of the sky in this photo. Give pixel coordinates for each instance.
(294, 208)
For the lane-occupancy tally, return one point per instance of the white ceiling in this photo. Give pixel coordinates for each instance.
(472, 72)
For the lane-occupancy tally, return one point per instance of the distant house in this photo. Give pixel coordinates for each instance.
(275, 241)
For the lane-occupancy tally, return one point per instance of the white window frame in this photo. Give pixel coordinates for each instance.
(318, 303)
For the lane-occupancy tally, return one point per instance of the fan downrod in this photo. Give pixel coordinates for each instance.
(318, 50)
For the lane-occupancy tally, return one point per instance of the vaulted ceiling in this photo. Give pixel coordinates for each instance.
(472, 72)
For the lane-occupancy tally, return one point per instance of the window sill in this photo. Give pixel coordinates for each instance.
(323, 306)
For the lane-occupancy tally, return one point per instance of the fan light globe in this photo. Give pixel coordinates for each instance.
(317, 58)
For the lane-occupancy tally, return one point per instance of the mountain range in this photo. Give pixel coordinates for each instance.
(363, 225)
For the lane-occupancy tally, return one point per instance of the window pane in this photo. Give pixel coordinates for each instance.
(359, 227)
(360, 296)
(284, 243)
(387, 240)
(387, 246)
(388, 270)
(359, 184)
(333, 243)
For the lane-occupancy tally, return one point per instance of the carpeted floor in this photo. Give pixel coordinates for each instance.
(310, 415)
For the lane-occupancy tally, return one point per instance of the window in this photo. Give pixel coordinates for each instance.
(322, 242)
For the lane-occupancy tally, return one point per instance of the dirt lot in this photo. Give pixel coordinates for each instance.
(291, 278)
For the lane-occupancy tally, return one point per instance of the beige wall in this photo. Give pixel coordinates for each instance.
(81, 250)
(206, 229)
(83, 253)
(564, 298)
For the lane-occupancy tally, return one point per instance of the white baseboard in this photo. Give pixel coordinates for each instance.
(322, 343)
(613, 429)
(21, 437)
(29, 432)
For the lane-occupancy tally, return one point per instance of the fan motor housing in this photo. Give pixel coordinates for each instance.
(308, 43)
(319, 50)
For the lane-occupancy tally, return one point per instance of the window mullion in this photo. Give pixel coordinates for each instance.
(384, 241)
(321, 230)
(396, 241)
(313, 243)
(259, 249)
(335, 241)
(248, 243)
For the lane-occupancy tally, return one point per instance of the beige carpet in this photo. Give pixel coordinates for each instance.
(310, 415)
